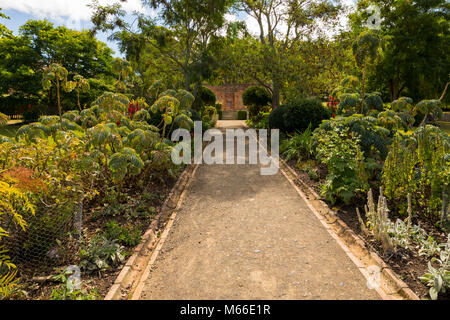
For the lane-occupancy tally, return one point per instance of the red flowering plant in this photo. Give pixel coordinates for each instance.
(332, 104)
(133, 107)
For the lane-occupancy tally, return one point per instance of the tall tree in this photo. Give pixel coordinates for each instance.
(416, 58)
(188, 28)
(365, 50)
(281, 25)
(24, 57)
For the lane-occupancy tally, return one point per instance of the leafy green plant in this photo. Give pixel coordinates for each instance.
(126, 236)
(419, 165)
(57, 75)
(3, 119)
(297, 115)
(256, 98)
(299, 146)
(12, 202)
(64, 292)
(100, 254)
(79, 84)
(428, 107)
(438, 279)
(365, 50)
(339, 150)
(242, 115)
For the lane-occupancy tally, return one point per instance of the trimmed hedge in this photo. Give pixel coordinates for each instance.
(255, 95)
(296, 115)
(205, 97)
(242, 115)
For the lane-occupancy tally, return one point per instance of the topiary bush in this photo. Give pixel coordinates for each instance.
(205, 97)
(256, 98)
(276, 117)
(296, 115)
(242, 115)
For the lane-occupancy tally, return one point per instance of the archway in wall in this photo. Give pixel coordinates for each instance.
(230, 96)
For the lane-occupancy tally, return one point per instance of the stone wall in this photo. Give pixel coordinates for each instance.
(230, 95)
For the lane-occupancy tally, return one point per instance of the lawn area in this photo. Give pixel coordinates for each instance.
(10, 130)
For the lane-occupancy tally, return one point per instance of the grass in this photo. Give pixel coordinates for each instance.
(10, 130)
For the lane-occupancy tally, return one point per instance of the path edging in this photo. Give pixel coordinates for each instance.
(392, 287)
(133, 272)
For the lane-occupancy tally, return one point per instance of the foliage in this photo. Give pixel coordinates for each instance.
(429, 107)
(79, 84)
(64, 292)
(438, 279)
(419, 165)
(410, 30)
(339, 149)
(24, 57)
(3, 119)
(242, 115)
(205, 97)
(261, 121)
(373, 138)
(13, 202)
(55, 74)
(255, 98)
(126, 236)
(100, 254)
(299, 146)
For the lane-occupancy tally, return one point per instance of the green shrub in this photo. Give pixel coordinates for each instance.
(418, 165)
(257, 96)
(205, 97)
(261, 121)
(242, 115)
(31, 115)
(101, 254)
(276, 117)
(373, 139)
(126, 236)
(339, 150)
(299, 146)
(297, 115)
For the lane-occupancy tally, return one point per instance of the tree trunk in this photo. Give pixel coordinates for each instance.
(78, 100)
(275, 92)
(59, 100)
(363, 87)
(186, 81)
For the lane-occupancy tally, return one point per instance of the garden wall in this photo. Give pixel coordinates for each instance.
(229, 95)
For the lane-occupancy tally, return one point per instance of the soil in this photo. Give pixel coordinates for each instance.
(407, 264)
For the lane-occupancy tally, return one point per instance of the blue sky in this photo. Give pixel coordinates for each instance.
(76, 15)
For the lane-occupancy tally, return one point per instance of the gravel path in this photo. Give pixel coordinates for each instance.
(240, 235)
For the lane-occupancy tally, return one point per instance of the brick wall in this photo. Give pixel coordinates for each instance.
(229, 95)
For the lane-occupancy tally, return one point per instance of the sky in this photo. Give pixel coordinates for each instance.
(75, 14)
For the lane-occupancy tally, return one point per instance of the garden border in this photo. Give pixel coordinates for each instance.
(391, 287)
(129, 282)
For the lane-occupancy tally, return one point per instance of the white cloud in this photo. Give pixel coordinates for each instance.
(69, 11)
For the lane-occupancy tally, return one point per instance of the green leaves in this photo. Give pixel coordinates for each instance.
(3, 119)
(339, 149)
(123, 162)
(166, 104)
(365, 48)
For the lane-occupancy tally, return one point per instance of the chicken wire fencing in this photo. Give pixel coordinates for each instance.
(51, 239)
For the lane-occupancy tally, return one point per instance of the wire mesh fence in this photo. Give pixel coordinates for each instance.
(51, 239)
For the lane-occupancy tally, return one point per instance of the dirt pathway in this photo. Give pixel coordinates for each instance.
(240, 235)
